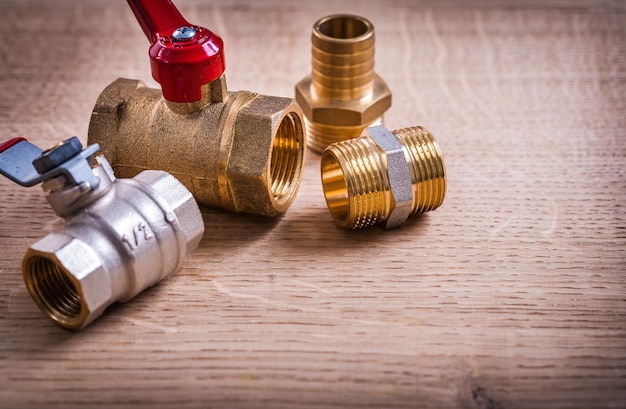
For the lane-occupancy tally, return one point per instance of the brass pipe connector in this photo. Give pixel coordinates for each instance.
(343, 95)
(383, 177)
(240, 151)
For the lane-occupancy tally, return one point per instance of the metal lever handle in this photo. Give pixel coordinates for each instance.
(28, 165)
(183, 57)
(16, 161)
(157, 17)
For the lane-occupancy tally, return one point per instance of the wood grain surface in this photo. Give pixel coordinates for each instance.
(511, 295)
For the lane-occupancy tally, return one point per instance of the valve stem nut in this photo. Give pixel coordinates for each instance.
(383, 177)
(57, 155)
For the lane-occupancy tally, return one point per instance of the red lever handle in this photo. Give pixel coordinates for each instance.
(183, 57)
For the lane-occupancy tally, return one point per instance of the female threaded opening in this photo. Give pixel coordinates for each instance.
(286, 161)
(426, 167)
(342, 57)
(53, 291)
(355, 187)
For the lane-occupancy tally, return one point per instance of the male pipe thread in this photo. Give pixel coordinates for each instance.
(356, 178)
(343, 95)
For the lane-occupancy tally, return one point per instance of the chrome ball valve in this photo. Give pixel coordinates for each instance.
(121, 235)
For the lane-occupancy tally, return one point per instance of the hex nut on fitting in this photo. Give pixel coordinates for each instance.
(126, 235)
(383, 177)
(343, 95)
(264, 169)
(67, 280)
(398, 173)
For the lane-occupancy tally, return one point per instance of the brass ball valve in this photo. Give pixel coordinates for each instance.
(121, 235)
(236, 150)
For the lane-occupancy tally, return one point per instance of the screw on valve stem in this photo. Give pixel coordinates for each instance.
(183, 34)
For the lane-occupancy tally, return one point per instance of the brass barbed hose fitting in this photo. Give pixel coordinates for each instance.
(383, 177)
(121, 235)
(240, 151)
(343, 95)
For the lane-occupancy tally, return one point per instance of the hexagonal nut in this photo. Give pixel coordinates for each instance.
(57, 155)
(343, 113)
(398, 173)
(264, 168)
(183, 205)
(67, 280)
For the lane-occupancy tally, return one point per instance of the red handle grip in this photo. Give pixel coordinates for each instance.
(181, 64)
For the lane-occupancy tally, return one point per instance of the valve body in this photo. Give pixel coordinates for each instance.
(240, 151)
(119, 239)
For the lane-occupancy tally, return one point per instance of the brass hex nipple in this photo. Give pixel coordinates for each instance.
(343, 95)
(383, 177)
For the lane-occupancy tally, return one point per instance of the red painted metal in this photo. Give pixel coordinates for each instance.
(180, 67)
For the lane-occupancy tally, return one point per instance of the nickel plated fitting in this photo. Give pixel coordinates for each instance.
(383, 177)
(343, 95)
(121, 236)
(240, 151)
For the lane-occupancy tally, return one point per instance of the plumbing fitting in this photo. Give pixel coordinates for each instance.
(383, 177)
(236, 150)
(121, 236)
(343, 95)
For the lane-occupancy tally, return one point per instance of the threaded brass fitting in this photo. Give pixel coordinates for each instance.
(343, 95)
(240, 151)
(383, 177)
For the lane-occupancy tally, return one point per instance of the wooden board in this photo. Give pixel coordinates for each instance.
(512, 294)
